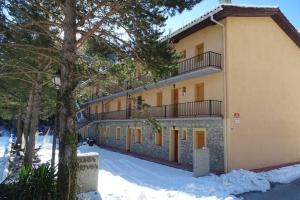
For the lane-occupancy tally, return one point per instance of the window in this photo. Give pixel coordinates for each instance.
(107, 133)
(184, 134)
(158, 138)
(139, 102)
(199, 92)
(119, 105)
(199, 139)
(138, 136)
(106, 107)
(159, 97)
(118, 133)
(183, 91)
(182, 54)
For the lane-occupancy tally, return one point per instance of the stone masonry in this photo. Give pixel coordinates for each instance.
(213, 126)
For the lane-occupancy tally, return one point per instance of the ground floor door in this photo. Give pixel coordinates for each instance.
(199, 139)
(174, 146)
(128, 139)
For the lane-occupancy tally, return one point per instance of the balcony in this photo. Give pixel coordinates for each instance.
(207, 108)
(208, 59)
(208, 62)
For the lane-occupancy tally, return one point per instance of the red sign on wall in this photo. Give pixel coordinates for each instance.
(236, 115)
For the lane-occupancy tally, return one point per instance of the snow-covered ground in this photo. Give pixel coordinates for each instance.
(45, 153)
(5, 141)
(124, 177)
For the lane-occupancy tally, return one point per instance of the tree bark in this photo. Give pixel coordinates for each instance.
(55, 133)
(28, 115)
(67, 167)
(19, 130)
(29, 153)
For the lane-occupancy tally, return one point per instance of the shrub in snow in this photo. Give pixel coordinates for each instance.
(34, 183)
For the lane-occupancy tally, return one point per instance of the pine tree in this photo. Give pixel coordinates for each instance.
(132, 26)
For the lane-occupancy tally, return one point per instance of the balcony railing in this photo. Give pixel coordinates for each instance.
(208, 59)
(207, 108)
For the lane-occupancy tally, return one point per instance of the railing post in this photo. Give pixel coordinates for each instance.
(210, 108)
(209, 63)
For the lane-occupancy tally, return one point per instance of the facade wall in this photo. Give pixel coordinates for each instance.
(213, 90)
(210, 36)
(212, 39)
(263, 74)
(212, 126)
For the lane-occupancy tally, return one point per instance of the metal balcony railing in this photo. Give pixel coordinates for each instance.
(207, 59)
(206, 108)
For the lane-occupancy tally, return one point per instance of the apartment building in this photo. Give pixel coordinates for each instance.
(235, 92)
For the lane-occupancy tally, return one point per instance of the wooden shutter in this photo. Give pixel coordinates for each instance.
(119, 105)
(199, 92)
(159, 99)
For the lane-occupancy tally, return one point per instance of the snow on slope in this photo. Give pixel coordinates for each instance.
(126, 177)
(5, 141)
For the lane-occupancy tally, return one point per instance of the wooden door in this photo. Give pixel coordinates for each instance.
(176, 145)
(199, 139)
(128, 139)
(159, 97)
(175, 102)
(199, 92)
(199, 51)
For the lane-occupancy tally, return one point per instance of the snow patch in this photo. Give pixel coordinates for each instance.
(89, 154)
(5, 145)
(89, 196)
(241, 181)
(126, 177)
(283, 175)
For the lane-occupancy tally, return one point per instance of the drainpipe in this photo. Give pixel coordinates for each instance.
(226, 151)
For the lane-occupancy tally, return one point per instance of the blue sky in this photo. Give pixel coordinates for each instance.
(290, 8)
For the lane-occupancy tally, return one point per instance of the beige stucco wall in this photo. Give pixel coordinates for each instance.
(213, 90)
(211, 36)
(263, 73)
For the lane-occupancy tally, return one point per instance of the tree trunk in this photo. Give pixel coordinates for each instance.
(28, 115)
(67, 167)
(29, 153)
(19, 130)
(55, 133)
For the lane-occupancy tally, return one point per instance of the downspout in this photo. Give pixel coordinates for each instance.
(226, 152)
